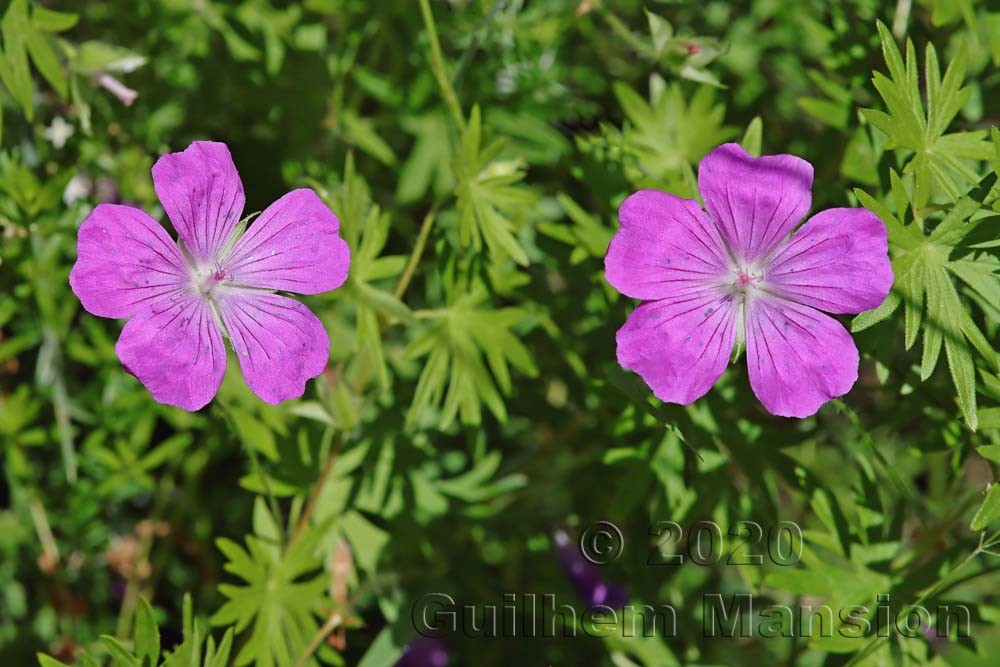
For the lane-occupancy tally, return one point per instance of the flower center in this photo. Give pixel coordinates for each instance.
(746, 279)
(207, 278)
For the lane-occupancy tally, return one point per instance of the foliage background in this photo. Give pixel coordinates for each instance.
(476, 153)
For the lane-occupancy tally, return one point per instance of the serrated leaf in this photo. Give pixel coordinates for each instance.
(924, 287)
(946, 160)
(669, 133)
(488, 195)
(455, 346)
(276, 608)
(963, 374)
(872, 317)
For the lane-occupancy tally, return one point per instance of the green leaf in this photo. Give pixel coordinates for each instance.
(218, 656)
(94, 57)
(275, 610)
(835, 108)
(366, 229)
(367, 539)
(989, 418)
(188, 652)
(963, 374)
(455, 375)
(254, 433)
(119, 654)
(924, 286)
(14, 70)
(752, 138)
(833, 114)
(669, 133)
(361, 132)
(428, 166)
(992, 23)
(989, 511)
(488, 196)
(588, 235)
(49, 20)
(528, 137)
(384, 651)
(946, 160)
(45, 59)
(660, 31)
(147, 636)
(872, 317)
(989, 452)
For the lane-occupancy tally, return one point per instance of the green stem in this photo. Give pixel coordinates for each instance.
(439, 69)
(418, 251)
(332, 623)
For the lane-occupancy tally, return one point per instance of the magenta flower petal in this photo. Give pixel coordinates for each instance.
(280, 343)
(838, 262)
(734, 276)
(755, 201)
(174, 347)
(666, 248)
(203, 195)
(294, 246)
(680, 348)
(125, 261)
(180, 295)
(798, 357)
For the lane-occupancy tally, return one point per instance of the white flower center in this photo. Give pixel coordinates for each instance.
(746, 278)
(207, 278)
(744, 281)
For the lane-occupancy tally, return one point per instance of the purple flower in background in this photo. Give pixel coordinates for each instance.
(585, 576)
(732, 277)
(424, 652)
(182, 297)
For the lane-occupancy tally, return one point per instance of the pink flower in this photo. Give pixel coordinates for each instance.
(711, 282)
(182, 297)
